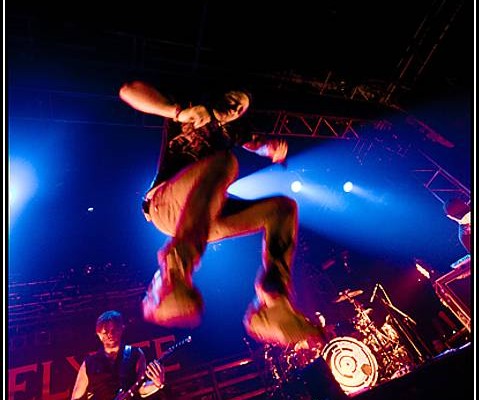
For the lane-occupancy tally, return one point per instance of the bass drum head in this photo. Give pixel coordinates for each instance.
(352, 363)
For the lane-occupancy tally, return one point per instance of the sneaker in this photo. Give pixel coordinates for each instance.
(175, 304)
(277, 322)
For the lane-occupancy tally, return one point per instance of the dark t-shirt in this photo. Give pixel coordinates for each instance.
(183, 145)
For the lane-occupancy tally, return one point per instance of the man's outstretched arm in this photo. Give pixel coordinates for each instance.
(146, 98)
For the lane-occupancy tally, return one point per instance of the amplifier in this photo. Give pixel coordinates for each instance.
(454, 290)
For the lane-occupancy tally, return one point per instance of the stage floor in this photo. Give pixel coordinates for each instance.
(449, 375)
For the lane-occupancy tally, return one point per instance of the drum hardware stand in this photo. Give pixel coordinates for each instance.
(372, 336)
(406, 326)
(282, 381)
(279, 370)
(377, 340)
(272, 367)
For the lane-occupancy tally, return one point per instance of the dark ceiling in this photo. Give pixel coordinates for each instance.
(425, 47)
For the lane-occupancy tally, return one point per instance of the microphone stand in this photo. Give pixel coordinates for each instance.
(406, 326)
(389, 304)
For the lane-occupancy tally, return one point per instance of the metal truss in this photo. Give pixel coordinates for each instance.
(49, 105)
(440, 183)
(426, 40)
(284, 123)
(56, 106)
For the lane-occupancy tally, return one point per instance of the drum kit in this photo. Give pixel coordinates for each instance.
(377, 355)
(367, 356)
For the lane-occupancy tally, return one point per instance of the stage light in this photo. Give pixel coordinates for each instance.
(296, 186)
(348, 186)
(22, 187)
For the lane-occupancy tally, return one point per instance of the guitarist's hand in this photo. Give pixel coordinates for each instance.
(156, 373)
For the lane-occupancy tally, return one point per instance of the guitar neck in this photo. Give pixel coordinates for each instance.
(136, 386)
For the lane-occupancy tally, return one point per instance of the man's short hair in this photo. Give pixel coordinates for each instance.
(456, 208)
(110, 315)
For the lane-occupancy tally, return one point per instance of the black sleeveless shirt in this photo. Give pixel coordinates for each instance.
(105, 378)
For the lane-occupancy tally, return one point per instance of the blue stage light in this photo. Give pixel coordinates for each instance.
(348, 187)
(296, 186)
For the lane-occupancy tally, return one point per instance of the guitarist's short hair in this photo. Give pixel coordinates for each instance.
(107, 316)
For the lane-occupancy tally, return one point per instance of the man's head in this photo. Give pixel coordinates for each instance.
(456, 208)
(231, 105)
(109, 328)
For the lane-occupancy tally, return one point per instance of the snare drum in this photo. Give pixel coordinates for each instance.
(352, 363)
(304, 353)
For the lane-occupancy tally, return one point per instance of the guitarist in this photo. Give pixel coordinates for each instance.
(116, 366)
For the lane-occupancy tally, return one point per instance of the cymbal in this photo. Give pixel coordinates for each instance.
(348, 294)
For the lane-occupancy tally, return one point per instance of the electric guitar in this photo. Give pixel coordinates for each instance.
(123, 395)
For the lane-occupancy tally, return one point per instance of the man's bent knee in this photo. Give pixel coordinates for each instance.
(285, 205)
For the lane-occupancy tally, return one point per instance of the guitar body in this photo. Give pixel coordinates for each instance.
(133, 390)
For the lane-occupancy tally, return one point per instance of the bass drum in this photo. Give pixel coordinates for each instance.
(352, 363)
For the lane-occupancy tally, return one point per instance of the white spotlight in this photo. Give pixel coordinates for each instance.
(296, 186)
(348, 186)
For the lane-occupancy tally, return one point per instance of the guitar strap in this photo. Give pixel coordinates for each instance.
(125, 362)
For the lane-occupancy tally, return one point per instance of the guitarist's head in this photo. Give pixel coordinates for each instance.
(109, 328)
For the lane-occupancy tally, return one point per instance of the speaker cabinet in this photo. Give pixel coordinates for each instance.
(454, 290)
